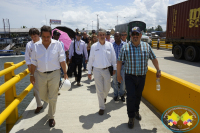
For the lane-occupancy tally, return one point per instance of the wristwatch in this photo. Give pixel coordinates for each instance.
(158, 71)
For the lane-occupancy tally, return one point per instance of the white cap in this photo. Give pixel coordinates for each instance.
(66, 85)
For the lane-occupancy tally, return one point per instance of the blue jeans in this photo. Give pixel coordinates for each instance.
(119, 91)
(134, 88)
(84, 64)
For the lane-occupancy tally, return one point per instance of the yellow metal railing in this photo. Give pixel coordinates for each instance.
(12, 100)
(162, 44)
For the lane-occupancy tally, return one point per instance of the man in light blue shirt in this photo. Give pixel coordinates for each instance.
(119, 89)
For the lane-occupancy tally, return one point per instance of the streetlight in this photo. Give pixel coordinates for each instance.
(92, 25)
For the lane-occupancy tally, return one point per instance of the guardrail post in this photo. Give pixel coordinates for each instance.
(10, 95)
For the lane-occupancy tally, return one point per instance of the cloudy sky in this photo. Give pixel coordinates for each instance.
(83, 14)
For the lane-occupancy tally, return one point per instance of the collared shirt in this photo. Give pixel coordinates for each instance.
(125, 41)
(28, 52)
(136, 58)
(101, 56)
(117, 48)
(47, 59)
(80, 48)
(111, 40)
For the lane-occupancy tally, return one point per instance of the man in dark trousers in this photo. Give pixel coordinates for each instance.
(85, 39)
(135, 54)
(77, 57)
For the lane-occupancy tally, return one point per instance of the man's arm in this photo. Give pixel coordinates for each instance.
(63, 65)
(113, 59)
(27, 56)
(119, 66)
(91, 60)
(32, 78)
(155, 63)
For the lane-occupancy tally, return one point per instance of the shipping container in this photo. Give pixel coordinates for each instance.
(183, 29)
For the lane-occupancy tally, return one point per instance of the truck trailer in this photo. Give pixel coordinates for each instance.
(183, 30)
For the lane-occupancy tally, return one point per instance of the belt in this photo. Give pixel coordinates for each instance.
(136, 75)
(123, 63)
(48, 72)
(105, 68)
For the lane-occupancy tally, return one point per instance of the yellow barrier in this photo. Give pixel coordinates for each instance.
(162, 44)
(174, 91)
(10, 114)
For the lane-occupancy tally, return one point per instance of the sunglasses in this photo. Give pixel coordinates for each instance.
(123, 34)
(135, 34)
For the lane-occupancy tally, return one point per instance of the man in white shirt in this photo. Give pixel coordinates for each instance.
(108, 37)
(46, 58)
(34, 33)
(77, 58)
(102, 55)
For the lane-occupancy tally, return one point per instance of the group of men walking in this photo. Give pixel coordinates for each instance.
(126, 61)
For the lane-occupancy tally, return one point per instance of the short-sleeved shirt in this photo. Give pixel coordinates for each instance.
(136, 58)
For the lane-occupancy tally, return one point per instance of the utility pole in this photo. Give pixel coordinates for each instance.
(97, 23)
(92, 25)
(117, 19)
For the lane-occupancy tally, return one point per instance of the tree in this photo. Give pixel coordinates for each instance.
(23, 26)
(150, 29)
(159, 28)
(83, 29)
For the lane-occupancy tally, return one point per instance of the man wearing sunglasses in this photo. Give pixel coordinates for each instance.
(135, 54)
(124, 36)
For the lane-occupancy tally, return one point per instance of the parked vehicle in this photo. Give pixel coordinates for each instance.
(183, 30)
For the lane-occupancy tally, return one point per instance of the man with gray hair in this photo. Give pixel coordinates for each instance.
(102, 55)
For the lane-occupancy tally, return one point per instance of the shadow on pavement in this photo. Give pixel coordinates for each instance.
(197, 64)
(31, 113)
(89, 120)
(42, 126)
(123, 128)
(92, 89)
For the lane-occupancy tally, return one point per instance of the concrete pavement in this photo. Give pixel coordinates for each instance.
(77, 112)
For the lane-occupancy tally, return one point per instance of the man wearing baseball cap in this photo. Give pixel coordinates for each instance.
(135, 54)
(108, 37)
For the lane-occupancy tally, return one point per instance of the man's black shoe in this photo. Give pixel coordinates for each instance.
(104, 100)
(138, 116)
(101, 112)
(122, 99)
(131, 123)
(116, 98)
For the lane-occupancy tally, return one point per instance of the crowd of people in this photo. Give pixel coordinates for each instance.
(124, 61)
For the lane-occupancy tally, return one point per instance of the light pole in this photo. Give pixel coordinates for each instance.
(92, 25)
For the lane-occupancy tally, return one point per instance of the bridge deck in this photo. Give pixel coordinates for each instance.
(77, 111)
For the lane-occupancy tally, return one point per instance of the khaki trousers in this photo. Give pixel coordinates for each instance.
(37, 97)
(102, 80)
(48, 85)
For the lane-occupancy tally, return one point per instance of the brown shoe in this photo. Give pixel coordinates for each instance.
(78, 84)
(38, 109)
(58, 93)
(52, 122)
(101, 112)
(105, 100)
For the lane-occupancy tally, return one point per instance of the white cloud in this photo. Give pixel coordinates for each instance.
(75, 15)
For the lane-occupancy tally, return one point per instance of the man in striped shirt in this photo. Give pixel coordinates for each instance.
(135, 54)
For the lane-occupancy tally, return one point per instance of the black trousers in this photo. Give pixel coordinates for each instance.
(79, 75)
(134, 88)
